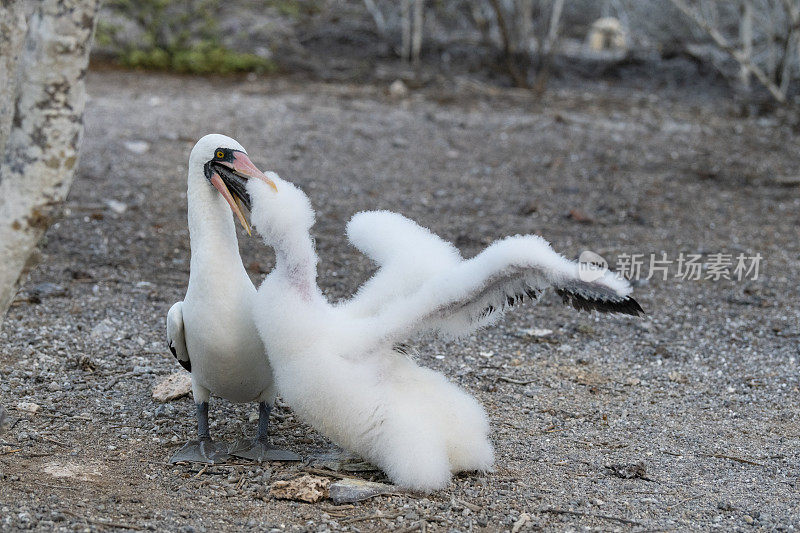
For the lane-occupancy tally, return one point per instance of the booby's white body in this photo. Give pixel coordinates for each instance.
(213, 327)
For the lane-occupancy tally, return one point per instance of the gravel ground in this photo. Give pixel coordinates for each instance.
(688, 419)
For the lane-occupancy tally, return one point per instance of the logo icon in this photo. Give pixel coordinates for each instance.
(591, 266)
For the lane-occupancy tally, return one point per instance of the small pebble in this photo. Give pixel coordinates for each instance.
(398, 89)
(137, 147)
(28, 407)
(117, 206)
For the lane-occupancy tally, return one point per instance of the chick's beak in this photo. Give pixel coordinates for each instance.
(242, 165)
(233, 202)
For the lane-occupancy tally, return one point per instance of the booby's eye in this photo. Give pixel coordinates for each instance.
(220, 154)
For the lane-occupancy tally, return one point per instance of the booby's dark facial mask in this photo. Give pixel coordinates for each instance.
(228, 172)
(236, 183)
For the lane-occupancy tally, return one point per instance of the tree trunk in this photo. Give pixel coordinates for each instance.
(41, 152)
(416, 36)
(525, 34)
(746, 38)
(555, 21)
(12, 36)
(405, 22)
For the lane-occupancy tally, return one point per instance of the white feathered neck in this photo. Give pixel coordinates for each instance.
(283, 219)
(212, 232)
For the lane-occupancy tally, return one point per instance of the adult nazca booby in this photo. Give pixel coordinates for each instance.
(211, 332)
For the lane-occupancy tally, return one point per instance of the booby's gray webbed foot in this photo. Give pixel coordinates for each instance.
(202, 450)
(259, 449)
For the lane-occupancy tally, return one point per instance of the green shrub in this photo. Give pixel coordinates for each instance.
(203, 58)
(179, 36)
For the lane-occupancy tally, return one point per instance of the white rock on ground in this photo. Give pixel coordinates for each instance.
(137, 147)
(398, 89)
(535, 332)
(116, 206)
(305, 488)
(28, 407)
(175, 386)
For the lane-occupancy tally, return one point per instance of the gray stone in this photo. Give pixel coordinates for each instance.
(350, 490)
(105, 329)
(5, 420)
(47, 290)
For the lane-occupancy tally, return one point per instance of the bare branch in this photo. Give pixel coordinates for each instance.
(377, 16)
(555, 18)
(737, 55)
(524, 24)
(405, 15)
(505, 35)
(508, 48)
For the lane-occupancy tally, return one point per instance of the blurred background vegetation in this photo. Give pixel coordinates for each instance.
(180, 36)
(752, 45)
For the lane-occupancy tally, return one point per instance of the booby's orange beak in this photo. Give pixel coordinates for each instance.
(216, 181)
(229, 178)
(242, 165)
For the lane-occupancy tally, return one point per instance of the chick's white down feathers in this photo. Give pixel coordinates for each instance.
(336, 365)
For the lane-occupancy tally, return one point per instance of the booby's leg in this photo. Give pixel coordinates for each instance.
(202, 450)
(259, 449)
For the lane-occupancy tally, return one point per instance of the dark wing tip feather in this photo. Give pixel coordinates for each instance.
(403, 349)
(507, 301)
(623, 306)
(185, 364)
